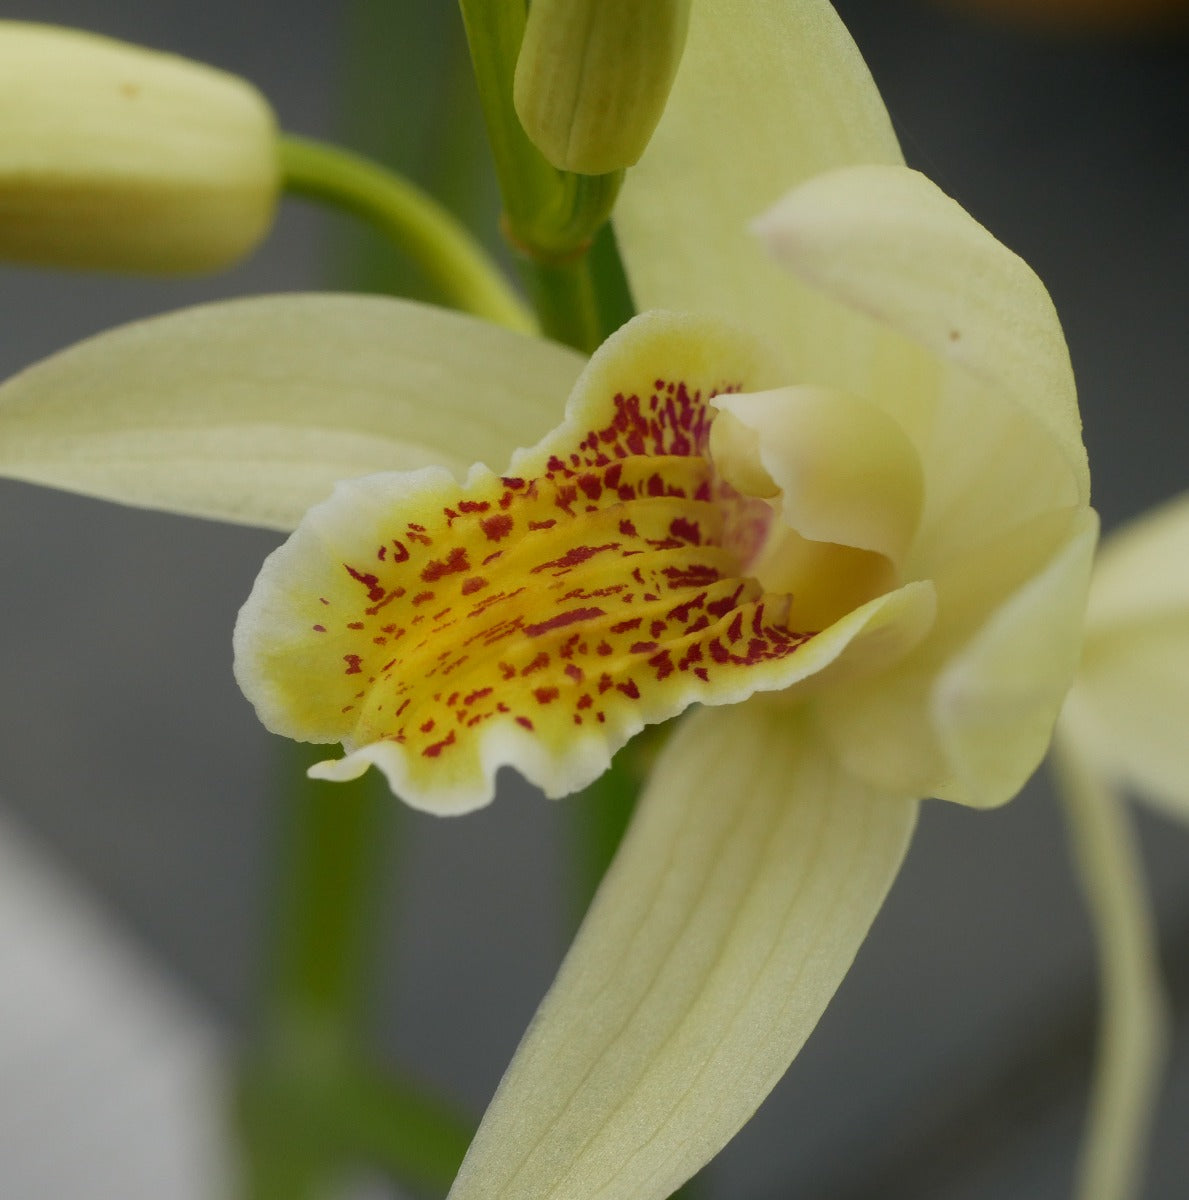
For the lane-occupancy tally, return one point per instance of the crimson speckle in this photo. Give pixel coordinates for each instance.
(452, 564)
(432, 751)
(562, 620)
(496, 527)
(374, 590)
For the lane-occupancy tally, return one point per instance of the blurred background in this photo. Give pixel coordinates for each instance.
(137, 814)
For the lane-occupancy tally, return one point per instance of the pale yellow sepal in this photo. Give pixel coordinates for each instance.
(769, 93)
(593, 76)
(1129, 708)
(889, 242)
(747, 881)
(251, 410)
(121, 158)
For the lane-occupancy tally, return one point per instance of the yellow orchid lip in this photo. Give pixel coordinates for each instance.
(541, 617)
(559, 597)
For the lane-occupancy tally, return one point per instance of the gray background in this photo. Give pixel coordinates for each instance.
(953, 1061)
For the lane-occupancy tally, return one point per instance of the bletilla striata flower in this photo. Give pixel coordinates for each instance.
(830, 488)
(838, 499)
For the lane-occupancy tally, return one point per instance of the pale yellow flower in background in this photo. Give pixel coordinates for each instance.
(1125, 728)
(1128, 712)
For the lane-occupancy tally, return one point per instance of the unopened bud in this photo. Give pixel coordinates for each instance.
(593, 77)
(120, 158)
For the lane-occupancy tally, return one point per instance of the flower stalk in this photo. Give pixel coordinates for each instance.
(446, 252)
(551, 217)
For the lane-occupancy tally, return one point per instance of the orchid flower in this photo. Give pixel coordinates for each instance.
(829, 487)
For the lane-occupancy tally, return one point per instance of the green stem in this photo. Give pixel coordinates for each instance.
(333, 857)
(315, 1005)
(551, 217)
(442, 247)
(530, 186)
(307, 1129)
(564, 296)
(308, 1100)
(404, 1130)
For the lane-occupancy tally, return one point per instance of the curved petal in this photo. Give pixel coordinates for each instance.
(1133, 1036)
(889, 242)
(250, 410)
(769, 93)
(995, 704)
(845, 470)
(1129, 708)
(969, 714)
(746, 883)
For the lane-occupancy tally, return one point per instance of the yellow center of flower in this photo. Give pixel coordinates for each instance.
(608, 589)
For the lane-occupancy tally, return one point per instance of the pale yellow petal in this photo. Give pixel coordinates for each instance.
(989, 467)
(1132, 1040)
(889, 242)
(995, 703)
(847, 473)
(747, 882)
(250, 410)
(769, 93)
(968, 714)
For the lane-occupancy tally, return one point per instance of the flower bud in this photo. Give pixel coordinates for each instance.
(120, 158)
(593, 77)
